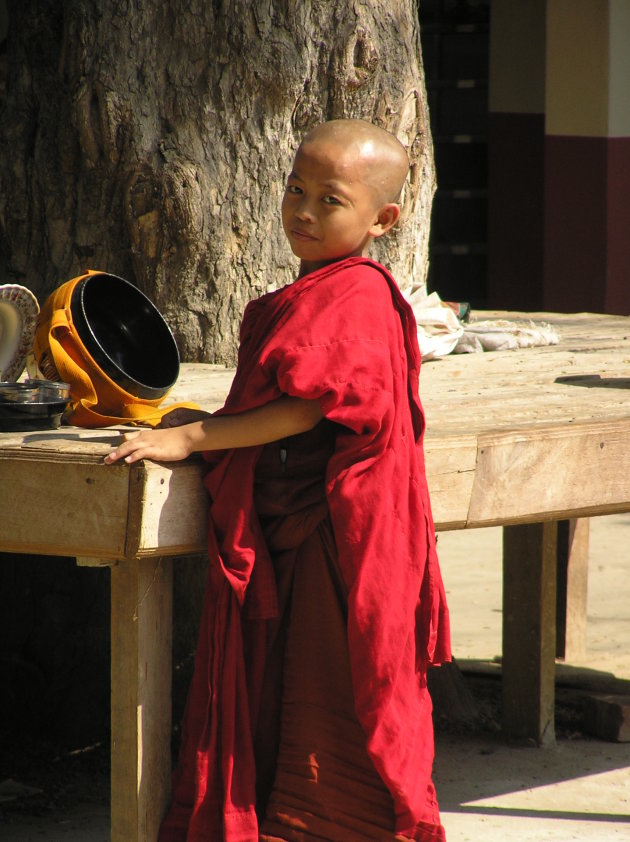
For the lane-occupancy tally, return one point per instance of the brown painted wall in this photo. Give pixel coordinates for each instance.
(575, 230)
(587, 224)
(618, 231)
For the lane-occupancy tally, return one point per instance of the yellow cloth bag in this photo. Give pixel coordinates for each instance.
(61, 355)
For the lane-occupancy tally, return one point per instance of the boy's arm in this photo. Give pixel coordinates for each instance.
(274, 421)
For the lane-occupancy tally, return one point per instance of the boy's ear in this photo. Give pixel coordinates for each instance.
(387, 217)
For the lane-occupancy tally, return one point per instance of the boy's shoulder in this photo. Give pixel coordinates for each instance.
(359, 274)
(366, 278)
(352, 290)
(356, 291)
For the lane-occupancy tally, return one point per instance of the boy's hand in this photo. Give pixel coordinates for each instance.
(160, 445)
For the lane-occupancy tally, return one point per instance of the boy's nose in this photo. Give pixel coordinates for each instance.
(304, 211)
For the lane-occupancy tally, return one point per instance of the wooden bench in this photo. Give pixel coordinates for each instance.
(534, 440)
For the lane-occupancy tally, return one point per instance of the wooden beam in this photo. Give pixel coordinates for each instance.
(530, 475)
(58, 507)
(168, 509)
(450, 468)
(529, 632)
(141, 647)
(573, 546)
(87, 561)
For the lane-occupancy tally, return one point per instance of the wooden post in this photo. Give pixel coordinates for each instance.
(141, 650)
(573, 541)
(529, 631)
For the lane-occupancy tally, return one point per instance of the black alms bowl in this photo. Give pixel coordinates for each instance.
(126, 335)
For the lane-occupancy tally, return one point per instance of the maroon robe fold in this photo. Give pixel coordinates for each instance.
(345, 337)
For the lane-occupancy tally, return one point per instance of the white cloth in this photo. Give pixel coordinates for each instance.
(504, 335)
(440, 332)
(439, 329)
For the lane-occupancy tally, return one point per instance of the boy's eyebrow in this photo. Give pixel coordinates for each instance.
(335, 186)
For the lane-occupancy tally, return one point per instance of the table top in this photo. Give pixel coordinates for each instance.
(512, 437)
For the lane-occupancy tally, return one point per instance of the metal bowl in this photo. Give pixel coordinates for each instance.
(34, 391)
(125, 335)
(32, 405)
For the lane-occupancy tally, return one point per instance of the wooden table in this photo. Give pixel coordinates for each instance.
(525, 439)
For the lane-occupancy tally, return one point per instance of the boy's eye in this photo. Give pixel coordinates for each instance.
(293, 188)
(331, 200)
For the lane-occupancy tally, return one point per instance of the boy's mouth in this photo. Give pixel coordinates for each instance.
(301, 235)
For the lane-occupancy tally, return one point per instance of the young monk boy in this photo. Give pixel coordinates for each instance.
(308, 716)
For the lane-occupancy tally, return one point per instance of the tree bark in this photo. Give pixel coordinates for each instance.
(151, 140)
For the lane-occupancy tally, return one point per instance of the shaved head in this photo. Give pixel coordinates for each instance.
(380, 157)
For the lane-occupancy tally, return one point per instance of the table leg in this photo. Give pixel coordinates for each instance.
(141, 618)
(573, 543)
(529, 631)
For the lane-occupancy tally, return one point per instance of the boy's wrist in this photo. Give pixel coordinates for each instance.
(196, 436)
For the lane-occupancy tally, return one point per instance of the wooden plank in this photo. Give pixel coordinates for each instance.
(529, 632)
(573, 547)
(74, 444)
(86, 561)
(168, 510)
(141, 643)
(583, 378)
(450, 468)
(551, 473)
(60, 507)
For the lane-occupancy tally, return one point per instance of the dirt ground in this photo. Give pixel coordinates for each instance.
(488, 790)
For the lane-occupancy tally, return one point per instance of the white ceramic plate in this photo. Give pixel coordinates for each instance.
(18, 318)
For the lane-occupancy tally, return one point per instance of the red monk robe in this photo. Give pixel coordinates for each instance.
(344, 336)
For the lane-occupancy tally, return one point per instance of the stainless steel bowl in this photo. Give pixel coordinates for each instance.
(32, 405)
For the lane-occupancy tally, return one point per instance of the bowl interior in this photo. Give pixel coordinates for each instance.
(126, 334)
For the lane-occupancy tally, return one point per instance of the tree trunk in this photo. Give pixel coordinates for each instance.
(151, 140)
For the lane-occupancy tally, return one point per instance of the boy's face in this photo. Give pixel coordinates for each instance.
(328, 211)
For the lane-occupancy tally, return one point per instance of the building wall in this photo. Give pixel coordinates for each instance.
(559, 156)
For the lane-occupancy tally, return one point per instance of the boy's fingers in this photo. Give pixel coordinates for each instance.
(125, 449)
(166, 445)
